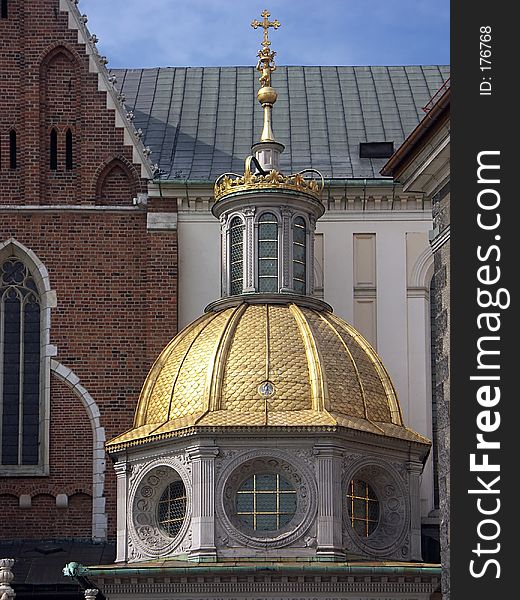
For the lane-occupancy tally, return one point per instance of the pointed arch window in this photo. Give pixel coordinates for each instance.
(236, 260)
(68, 150)
(4, 9)
(299, 255)
(268, 253)
(53, 149)
(13, 150)
(20, 353)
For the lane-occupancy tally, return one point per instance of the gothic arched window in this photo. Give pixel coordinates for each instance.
(20, 345)
(236, 255)
(299, 258)
(268, 253)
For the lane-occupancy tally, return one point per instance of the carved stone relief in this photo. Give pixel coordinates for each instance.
(146, 538)
(389, 537)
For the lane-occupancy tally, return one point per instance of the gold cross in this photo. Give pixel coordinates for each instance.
(265, 24)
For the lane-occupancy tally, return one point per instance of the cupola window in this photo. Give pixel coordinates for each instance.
(266, 502)
(363, 507)
(299, 258)
(172, 508)
(236, 243)
(268, 253)
(19, 364)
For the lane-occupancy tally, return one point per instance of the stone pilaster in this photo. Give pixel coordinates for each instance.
(311, 238)
(224, 241)
(249, 251)
(286, 265)
(121, 469)
(414, 472)
(329, 522)
(203, 502)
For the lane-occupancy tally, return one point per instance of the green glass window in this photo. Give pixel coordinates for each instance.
(268, 253)
(299, 255)
(363, 507)
(236, 263)
(172, 508)
(19, 365)
(266, 502)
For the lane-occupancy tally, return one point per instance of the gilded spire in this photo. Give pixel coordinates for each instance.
(266, 94)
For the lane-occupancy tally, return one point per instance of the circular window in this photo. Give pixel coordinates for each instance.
(363, 507)
(171, 508)
(265, 502)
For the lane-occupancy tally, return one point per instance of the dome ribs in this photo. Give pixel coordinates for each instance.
(319, 389)
(387, 399)
(213, 389)
(142, 415)
(354, 366)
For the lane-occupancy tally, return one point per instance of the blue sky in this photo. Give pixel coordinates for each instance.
(148, 33)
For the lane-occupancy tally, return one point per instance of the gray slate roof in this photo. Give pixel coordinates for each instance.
(201, 121)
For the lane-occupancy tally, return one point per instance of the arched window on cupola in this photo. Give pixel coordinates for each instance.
(20, 350)
(236, 256)
(268, 253)
(69, 156)
(53, 150)
(299, 255)
(13, 150)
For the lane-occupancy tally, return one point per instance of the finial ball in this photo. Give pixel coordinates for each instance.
(267, 95)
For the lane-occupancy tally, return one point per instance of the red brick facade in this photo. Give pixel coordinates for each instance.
(70, 201)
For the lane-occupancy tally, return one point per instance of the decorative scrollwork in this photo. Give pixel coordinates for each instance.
(388, 539)
(148, 481)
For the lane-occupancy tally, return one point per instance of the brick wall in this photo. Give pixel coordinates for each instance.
(116, 282)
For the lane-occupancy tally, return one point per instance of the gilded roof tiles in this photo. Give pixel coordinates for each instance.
(323, 371)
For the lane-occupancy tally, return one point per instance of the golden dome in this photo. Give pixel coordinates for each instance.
(320, 371)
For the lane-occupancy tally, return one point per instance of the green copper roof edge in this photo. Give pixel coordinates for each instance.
(212, 568)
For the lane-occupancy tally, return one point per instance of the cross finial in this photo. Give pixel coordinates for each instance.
(266, 57)
(265, 24)
(266, 94)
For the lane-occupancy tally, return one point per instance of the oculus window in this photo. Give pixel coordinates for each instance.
(363, 507)
(171, 509)
(266, 502)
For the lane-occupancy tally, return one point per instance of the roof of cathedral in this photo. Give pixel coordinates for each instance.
(267, 364)
(201, 121)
